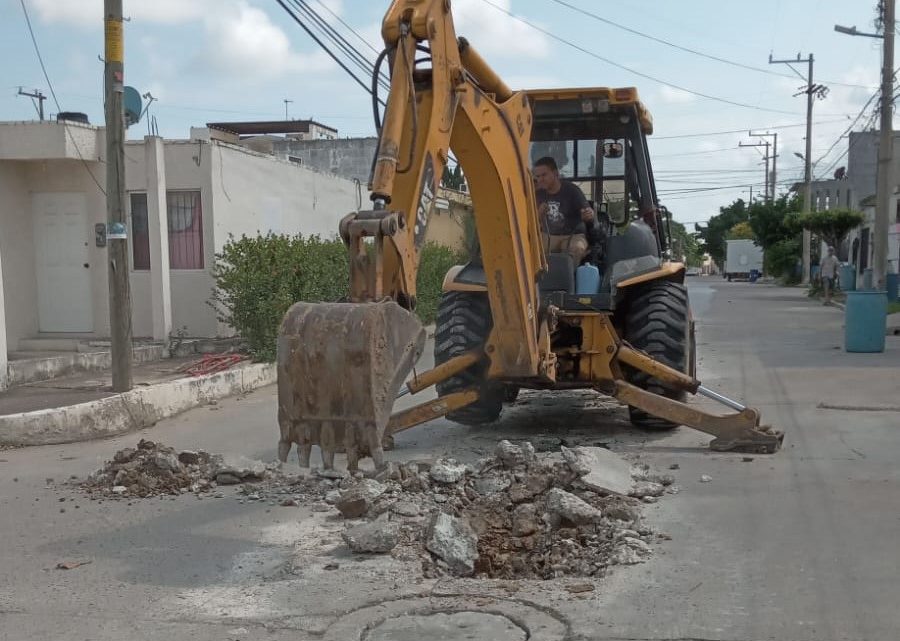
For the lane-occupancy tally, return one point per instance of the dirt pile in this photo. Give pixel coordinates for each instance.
(516, 514)
(153, 469)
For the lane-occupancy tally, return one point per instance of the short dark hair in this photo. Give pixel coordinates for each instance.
(547, 161)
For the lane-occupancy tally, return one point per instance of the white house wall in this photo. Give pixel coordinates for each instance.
(188, 167)
(254, 194)
(17, 254)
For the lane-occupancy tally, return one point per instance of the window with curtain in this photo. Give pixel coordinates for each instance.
(185, 229)
(140, 233)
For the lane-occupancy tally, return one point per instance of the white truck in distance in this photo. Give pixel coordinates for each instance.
(741, 258)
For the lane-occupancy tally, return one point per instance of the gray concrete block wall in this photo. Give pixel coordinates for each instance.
(349, 158)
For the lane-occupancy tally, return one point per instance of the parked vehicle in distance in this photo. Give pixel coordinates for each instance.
(692, 271)
(743, 260)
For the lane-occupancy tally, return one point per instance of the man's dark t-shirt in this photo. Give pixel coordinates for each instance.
(563, 208)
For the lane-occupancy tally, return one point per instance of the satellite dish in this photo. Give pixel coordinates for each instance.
(133, 106)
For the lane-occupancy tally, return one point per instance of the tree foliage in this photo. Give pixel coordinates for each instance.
(831, 225)
(453, 179)
(714, 234)
(686, 246)
(741, 231)
(772, 221)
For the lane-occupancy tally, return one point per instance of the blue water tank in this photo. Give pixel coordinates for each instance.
(587, 279)
(847, 274)
(891, 282)
(865, 321)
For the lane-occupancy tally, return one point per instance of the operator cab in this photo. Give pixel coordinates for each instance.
(598, 139)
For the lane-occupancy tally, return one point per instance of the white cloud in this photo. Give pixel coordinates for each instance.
(495, 34)
(671, 95)
(242, 40)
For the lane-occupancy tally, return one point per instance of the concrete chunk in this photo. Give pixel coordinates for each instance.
(599, 469)
(569, 507)
(453, 540)
(375, 537)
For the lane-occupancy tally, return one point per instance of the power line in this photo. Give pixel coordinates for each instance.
(351, 29)
(328, 50)
(351, 52)
(40, 58)
(629, 69)
(741, 131)
(695, 52)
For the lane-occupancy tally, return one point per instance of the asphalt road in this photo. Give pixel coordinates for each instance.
(801, 545)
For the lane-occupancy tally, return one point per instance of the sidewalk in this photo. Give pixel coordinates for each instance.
(83, 406)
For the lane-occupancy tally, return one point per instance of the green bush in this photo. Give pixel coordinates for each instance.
(258, 279)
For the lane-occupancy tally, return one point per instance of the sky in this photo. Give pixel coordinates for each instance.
(214, 60)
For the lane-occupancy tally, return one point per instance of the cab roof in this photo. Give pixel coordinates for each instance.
(577, 103)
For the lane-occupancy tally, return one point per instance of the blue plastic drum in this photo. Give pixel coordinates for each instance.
(865, 320)
(891, 282)
(847, 275)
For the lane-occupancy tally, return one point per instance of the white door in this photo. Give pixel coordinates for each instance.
(62, 257)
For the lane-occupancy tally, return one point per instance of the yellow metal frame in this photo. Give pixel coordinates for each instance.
(667, 271)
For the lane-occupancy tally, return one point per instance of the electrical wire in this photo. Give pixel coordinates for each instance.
(40, 58)
(349, 28)
(318, 41)
(740, 131)
(351, 52)
(695, 52)
(596, 55)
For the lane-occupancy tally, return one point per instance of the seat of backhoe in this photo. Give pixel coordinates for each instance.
(560, 275)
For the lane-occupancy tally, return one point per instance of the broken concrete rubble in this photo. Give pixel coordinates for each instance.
(570, 508)
(452, 540)
(512, 456)
(375, 537)
(357, 499)
(447, 470)
(599, 469)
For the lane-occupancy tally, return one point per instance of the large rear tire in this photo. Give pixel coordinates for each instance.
(464, 322)
(659, 322)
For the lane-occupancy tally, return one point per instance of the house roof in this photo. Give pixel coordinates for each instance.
(249, 128)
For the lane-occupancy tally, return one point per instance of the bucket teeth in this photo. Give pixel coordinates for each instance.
(340, 366)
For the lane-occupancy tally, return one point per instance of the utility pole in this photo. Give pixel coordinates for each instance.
(35, 95)
(810, 90)
(766, 158)
(286, 103)
(885, 188)
(119, 285)
(774, 174)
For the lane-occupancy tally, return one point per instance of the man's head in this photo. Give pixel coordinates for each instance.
(546, 174)
(830, 251)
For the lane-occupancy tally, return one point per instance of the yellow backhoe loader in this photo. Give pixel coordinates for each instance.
(513, 317)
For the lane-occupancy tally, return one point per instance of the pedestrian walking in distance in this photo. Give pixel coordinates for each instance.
(828, 270)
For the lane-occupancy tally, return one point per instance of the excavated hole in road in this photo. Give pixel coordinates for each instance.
(515, 515)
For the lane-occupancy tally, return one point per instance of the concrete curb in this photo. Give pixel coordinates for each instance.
(139, 408)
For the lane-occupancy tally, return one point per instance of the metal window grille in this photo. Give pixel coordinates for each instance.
(185, 230)
(140, 233)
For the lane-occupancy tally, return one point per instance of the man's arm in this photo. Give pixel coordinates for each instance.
(581, 203)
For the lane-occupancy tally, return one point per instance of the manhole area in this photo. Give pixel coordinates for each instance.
(442, 626)
(450, 618)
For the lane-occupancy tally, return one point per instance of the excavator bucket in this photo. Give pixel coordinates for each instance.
(340, 367)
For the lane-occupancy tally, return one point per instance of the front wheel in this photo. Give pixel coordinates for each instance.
(464, 322)
(659, 322)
